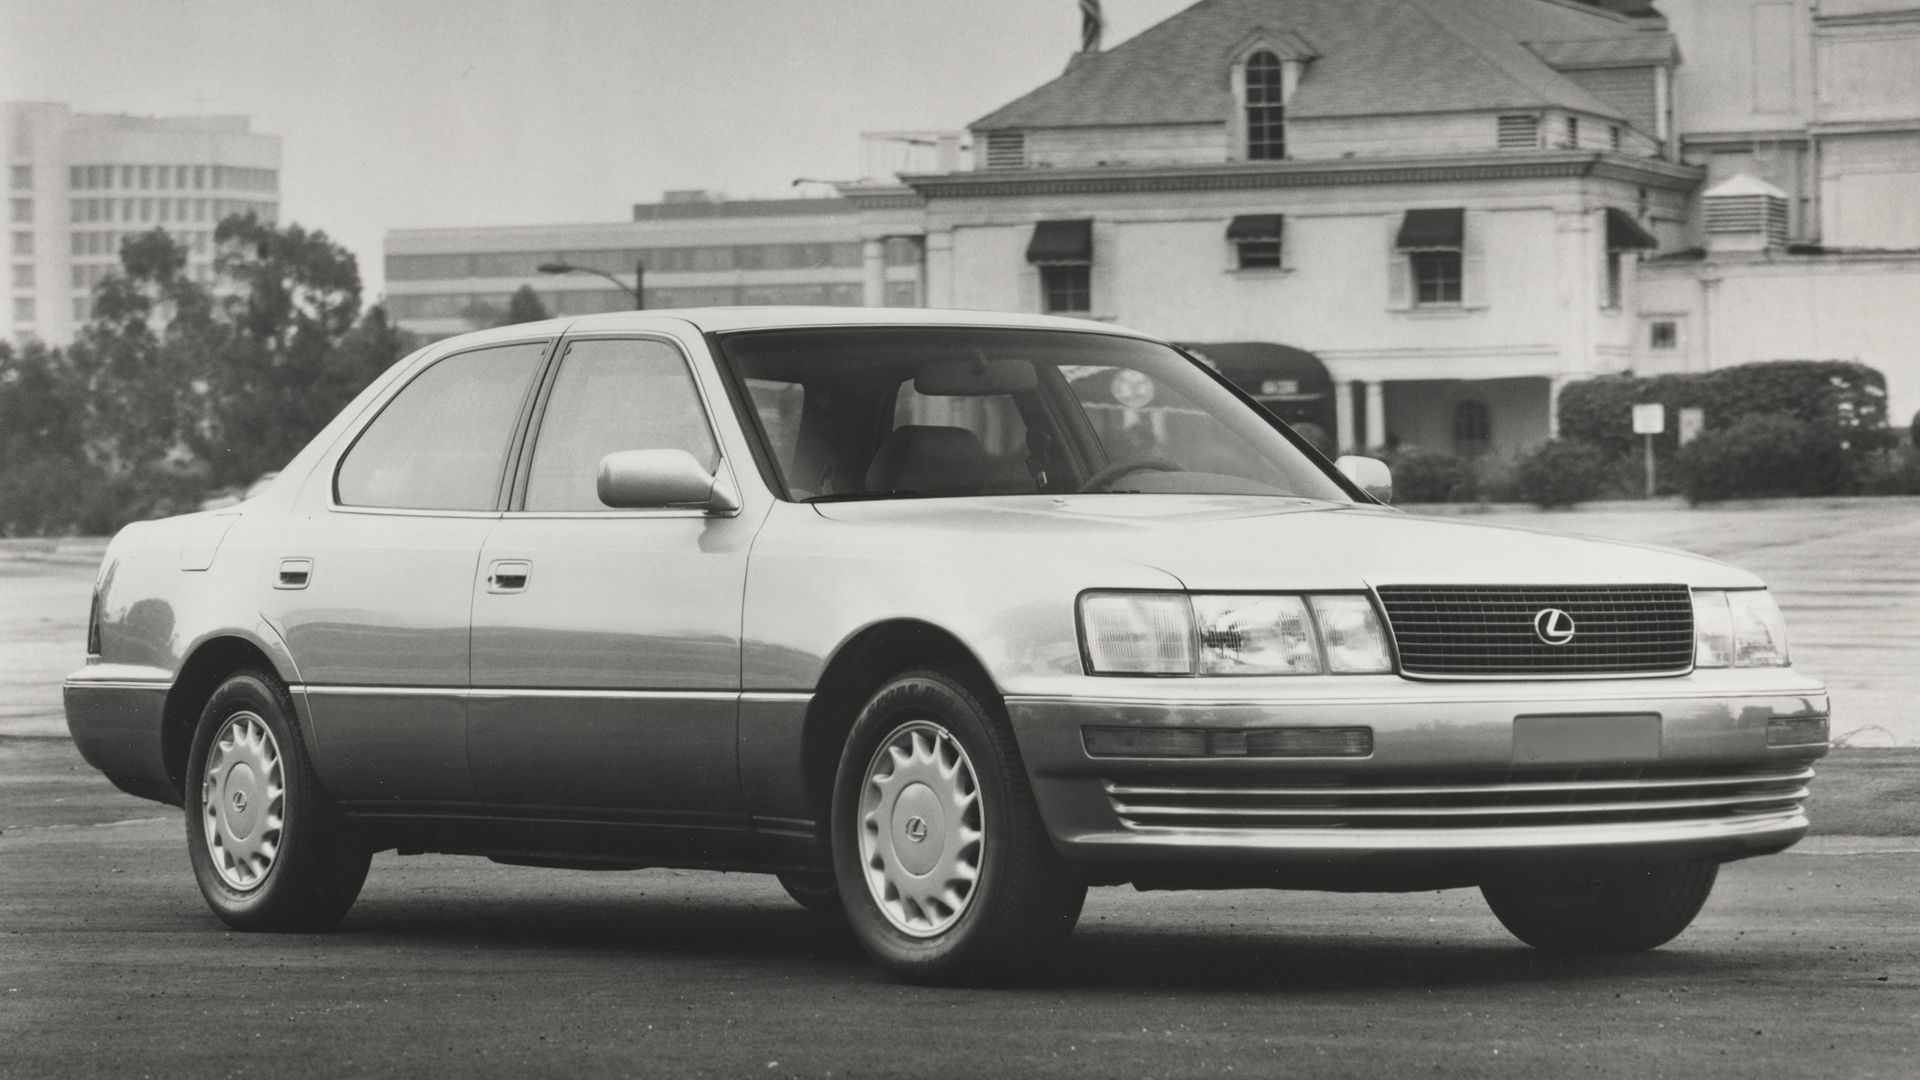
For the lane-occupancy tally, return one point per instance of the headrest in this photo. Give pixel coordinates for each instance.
(931, 461)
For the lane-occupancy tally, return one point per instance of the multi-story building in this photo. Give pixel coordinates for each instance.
(1804, 242)
(78, 184)
(693, 249)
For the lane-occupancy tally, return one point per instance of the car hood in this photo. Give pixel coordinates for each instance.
(1239, 542)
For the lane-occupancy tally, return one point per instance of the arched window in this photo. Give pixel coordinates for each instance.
(1266, 115)
(1472, 431)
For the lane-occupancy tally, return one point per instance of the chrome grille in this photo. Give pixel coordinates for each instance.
(1465, 800)
(1488, 632)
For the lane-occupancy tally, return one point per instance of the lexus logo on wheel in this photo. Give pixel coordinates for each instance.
(1553, 626)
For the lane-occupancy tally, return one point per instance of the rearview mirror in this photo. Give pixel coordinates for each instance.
(1370, 475)
(659, 479)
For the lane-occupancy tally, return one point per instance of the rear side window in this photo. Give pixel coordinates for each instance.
(441, 443)
(611, 395)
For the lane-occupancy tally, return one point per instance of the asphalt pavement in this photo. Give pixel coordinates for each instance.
(1802, 964)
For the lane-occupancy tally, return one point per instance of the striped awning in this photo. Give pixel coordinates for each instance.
(1432, 230)
(1625, 234)
(1061, 242)
(1250, 227)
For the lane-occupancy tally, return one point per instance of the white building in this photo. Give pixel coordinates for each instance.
(697, 250)
(78, 184)
(1444, 200)
(1805, 242)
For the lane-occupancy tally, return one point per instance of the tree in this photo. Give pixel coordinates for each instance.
(525, 306)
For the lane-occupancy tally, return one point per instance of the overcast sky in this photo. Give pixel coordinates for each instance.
(408, 113)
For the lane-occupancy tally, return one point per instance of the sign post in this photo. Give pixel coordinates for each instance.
(1648, 421)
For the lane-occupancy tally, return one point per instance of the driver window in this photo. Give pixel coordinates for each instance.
(611, 395)
(1137, 418)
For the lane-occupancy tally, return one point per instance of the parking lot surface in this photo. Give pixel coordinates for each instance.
(1803, 964)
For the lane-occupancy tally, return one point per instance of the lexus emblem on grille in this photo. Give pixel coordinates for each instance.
(1553, 626)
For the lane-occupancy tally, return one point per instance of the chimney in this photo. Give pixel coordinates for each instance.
(1745, 214)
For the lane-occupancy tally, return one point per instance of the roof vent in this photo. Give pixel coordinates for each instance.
(1745, 214)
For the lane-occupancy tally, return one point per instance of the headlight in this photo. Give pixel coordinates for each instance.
(1145, 633)
(1738, 628)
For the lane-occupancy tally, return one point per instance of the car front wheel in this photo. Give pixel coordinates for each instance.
(946, 870)
(1602, 907)
(268, 850)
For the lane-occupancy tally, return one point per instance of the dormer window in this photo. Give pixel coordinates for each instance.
(1266, 108)
(1265, 69)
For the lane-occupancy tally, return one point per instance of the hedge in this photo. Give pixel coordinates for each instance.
(1847, 397)
(1766, 456)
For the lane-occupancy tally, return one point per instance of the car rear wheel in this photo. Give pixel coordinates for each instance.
(268, 850)
(946, 871)
(1603, 907)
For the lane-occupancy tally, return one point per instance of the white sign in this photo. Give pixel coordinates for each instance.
(1693, 421)
(1649, 419)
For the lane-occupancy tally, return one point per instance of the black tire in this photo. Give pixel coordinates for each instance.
(1601, 907)
(816, 892)
(318, 864)
(1024, 898)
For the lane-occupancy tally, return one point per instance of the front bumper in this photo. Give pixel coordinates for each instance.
(1456, 777)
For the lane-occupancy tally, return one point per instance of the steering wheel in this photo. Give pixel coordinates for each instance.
(1098, 481)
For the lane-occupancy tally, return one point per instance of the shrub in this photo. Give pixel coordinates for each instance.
(1562, 473)
(1763, 456)
(1891, 472)
(1429, 476)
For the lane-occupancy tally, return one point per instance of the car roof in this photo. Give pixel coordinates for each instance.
(723, 319)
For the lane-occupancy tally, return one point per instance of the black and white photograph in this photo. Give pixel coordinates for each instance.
(880, 538)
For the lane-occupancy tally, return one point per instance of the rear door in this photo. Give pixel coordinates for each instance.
(606, 643)
(375, 591)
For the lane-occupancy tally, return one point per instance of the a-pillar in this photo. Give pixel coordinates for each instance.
(873, 280)
(1376, 414)
(1343, 435)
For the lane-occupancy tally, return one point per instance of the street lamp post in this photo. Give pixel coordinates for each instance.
(638, 292)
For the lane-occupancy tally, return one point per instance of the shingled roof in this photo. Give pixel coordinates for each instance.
(1373, 57)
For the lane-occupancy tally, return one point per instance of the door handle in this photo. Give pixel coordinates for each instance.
(294, 573)
(508, 575)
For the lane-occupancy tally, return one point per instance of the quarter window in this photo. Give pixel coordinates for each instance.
(441, 443)
(612, 395)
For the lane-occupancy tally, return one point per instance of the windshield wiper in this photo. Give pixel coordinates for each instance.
(858, 496)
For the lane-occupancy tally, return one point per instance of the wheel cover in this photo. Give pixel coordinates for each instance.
(922, 829)
(243, 798)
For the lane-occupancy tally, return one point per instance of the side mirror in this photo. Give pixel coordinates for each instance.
(659, 479)
(1370, 475)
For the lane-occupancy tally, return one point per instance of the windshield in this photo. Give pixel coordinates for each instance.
(917, 412)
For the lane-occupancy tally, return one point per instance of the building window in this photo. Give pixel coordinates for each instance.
(22, 211)
(199, 177)
(1520, 132)
(23, 244)
(20, 177)
(1663, 335)
(1613, 137)
(180, 177)
(23, 309)
(1611, 300)
(23, 275)
(1472, 429)
(1256, 241)
(1436, 277)
(1066, 289)
(1006, 149)
(1573, 133)
(80, 305)
(1266, 112)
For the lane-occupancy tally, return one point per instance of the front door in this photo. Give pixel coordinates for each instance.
(606, 643)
